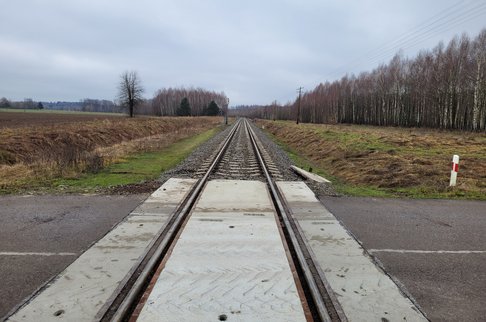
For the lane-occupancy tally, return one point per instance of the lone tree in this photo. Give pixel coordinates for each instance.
(130, 91)
(185, 108)
(212, 109)
(4, 102)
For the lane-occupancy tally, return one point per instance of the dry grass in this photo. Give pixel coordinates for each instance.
(396, 159)
(68, 149)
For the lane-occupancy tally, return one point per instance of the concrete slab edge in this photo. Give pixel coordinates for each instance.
(322, 275)
(47, 283)
(381, 266)
(309, 175)
(378, 265)
(52, 280)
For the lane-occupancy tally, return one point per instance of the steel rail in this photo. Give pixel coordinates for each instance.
(304, 261)
(131, 298)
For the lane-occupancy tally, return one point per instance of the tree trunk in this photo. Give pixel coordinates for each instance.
(476, 98)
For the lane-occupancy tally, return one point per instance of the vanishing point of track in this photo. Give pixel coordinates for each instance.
(241, 156)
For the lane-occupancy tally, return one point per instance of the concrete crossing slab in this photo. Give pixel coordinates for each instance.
(229, 262)
(82, 290)
(364, 291)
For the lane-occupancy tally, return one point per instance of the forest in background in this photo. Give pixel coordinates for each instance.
(440, 88)
(166, 102)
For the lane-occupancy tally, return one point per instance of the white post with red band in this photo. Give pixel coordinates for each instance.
(455, 169)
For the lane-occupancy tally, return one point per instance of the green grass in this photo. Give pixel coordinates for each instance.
(372, 191)
(135, 168)
(337, 184)
(358, 141)
(425, 193)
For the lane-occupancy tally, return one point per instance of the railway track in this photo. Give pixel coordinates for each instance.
(231, 242)
(240, 157)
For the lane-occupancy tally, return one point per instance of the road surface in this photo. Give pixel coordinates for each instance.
(41, 235)
(435, 248)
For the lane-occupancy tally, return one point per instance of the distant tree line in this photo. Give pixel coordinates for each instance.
(95, 105)
(26, 104)
(185, 107)
(63, 105)
(442, 88)
(188, 101)
(85, 105)
(274, 111)
(166, 102)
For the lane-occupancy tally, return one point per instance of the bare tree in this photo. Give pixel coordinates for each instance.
(130, 91)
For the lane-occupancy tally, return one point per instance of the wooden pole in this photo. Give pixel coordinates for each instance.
(298, 104)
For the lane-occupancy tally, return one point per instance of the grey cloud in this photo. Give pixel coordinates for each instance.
(255, 51)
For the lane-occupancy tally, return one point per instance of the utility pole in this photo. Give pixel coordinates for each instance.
(274, 109)
(298, 104)
(226, 111)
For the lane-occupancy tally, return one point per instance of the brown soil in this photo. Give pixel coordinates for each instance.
(28, 119)
(390, 158)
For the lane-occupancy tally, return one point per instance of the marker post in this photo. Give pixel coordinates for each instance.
(454, 170)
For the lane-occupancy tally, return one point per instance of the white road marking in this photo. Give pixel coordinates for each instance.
(35, 254)
(85, 289)
(364, 291)
(417, 251)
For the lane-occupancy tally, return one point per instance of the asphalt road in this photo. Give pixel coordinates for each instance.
(41, 235)
(435, 248)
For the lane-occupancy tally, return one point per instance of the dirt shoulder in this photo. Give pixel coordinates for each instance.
(384, 161)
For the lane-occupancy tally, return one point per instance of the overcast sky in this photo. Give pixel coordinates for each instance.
(256, 51)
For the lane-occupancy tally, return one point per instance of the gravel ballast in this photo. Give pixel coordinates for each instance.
(205, 153)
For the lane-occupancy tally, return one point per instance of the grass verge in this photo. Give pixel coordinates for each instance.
(133, 169)
(385, 162)
(338, 185)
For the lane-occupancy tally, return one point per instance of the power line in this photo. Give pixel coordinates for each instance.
(420, 33)
(417, 30)
(406, 34)
(433, 32)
